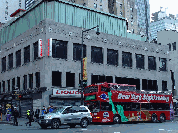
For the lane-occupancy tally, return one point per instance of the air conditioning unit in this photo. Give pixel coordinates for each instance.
(157, 51)
(105, 40)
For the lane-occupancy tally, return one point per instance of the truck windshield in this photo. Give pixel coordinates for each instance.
(93, 106)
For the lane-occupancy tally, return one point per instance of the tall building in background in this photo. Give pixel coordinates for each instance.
(162, 22)
(7, 7)
(30, 3)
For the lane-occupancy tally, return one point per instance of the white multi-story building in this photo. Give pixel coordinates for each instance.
(163, 22)
(7, 7)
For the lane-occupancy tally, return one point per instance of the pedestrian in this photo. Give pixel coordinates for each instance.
(29, 117)
(7, 115)
(15, 114)
(37, 112)
(48, 109)
(32, 114)
(43, 110)
(51, 109)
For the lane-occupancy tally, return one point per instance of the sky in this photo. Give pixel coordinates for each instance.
(171, 5)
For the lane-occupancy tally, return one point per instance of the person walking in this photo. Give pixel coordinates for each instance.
(15, 114)
(37, 112)
(29, 117)
(8, 115)
(43, 110)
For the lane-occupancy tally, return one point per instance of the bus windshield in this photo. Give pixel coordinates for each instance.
(93, 106)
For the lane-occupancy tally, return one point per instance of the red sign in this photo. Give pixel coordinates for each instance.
(65, 92)
(40, 48)
(49, 47)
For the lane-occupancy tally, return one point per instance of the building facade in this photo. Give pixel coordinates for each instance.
(43, 62)
(7, 7)
(169, 38)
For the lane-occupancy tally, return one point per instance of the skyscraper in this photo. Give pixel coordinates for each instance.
(7, 7)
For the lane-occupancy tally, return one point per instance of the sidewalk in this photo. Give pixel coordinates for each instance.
(21, 121)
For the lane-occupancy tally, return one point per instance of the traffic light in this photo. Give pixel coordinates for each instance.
(20, 97)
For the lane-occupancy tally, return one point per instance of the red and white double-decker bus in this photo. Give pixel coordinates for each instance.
(111, 102)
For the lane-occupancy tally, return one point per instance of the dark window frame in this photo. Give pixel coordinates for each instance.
(10, 61)
(140, 61)
(96, 54)
(13, 84)
(112, 57)
(164, 85)
(18, 83)
(151, 63)
(18, 58)
(37, 75)
(8, 85)
(61, 47)
(4, 86)
(35, 50)
(163, 64)
(174, 46)
(24, 82)
(27, 54)
(30, 80)
(77, 51)
(126, 61)
(4, 64)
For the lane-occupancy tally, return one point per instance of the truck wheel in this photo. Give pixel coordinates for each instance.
(55, 124)
(84, 123)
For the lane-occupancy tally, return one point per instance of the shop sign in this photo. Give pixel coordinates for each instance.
(50, 47)
(40, 48)
(66, 92)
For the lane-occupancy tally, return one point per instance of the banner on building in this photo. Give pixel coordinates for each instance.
(49, 53)
(40, 48)
(85, 68)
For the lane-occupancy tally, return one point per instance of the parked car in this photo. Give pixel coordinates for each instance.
(70, 115)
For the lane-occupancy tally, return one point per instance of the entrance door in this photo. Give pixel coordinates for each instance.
(25, 105)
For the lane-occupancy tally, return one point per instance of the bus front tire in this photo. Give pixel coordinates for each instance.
(116, 119)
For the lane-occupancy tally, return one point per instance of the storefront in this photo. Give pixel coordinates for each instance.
(65, 97)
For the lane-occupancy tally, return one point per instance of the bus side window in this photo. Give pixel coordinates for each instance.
(167, 107)
(128, 106)
(105, 106)
(153, 106)
(145, 106)
(135, 106)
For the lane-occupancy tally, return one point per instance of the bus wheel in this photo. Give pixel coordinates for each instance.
(116, 119)
(154, 118)
(162, 118)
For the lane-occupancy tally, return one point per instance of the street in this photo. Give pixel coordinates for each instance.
(148, 127)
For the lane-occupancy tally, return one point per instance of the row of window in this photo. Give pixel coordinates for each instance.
(17, 79)
(59, 50)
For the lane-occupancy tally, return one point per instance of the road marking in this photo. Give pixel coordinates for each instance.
(116, 132)
(110, 126)
(161, 129)
(99, 125)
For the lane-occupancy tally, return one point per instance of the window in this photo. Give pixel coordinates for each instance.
(101, 8)
(131, 16)
(59, 49)
(135, 106)
(151, 63)
(140, 63)
(120, 6)
(105, 106)
(169, 46)
(56, 78)
(95, 5)
(96, 54)
(162, 64)
(153, 106)
(18, 58)
(35, 49)
(18, 83)
(13, 84)
(37, 74)
(112, 57)
(120, 13)
(25, 82)
(8, 83)
(93, 106)
(126, 59)
(27, 54)
(144, 106)
(10, 61)
(174, 46)
(3, 86)
(5, 18)
(68, 110)
(3, 64)
(164, 86)
(30, 81)
(70, 79)
(77, 48)
(83, 109)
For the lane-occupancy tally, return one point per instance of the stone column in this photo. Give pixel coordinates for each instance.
(157, 64)
(120, 58)
(70, 51)
(63, 79)
(34, 80)
(105, 55)
(76, 80)
(88, 79)
(146, 62)
(114, 79)
(141, 84)
(159, 85)
(133, 61)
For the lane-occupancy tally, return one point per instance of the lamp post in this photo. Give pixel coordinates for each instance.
(82, 103)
